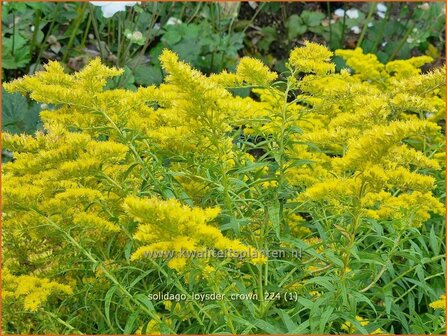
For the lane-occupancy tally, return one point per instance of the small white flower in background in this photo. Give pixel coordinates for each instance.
(384, 44)
(253, 4)
(339, 12)
(352, 13)
(381, 10)
(136, 36)
(43, 106)
(31, 28)
(229, 9)
(109, 8)
(425, 6)
(370, 24)
(355, 30)
(172, 21)
(410, 40)
(381, 7)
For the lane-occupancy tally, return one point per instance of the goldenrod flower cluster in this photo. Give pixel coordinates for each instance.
(439, 304)
(190, 166)
(349, 328)
(170, 226)
(30, 290)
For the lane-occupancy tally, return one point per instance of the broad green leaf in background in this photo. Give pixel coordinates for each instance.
(15, 52)
(295, 27)
(18, 116)
(312, 19)
(269, 35)
(148, 75)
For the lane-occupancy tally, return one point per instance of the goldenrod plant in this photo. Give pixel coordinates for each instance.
(117, 214)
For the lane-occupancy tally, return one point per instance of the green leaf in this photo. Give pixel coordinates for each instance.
(108, 301)
(126, 80)
(434, 242)
(362, 298)
(17, 42)
(145, 301)
(15, 52)
(174, 34)
(317, 30)
(129, 328)
(303, 328)
(388, 301)
(251, 167)
(17, 6)
(305, 302)
(267, 327)
(189, 51)
(155, 53)
(248, 303)
(295, 27)
(288, 322)
(312, 19)
(269, 35)
(17, 61)
(148, 75)
(325, 281)
(274, 215)
(17, 115)
(324, 319)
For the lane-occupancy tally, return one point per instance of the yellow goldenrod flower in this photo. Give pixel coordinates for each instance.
(312, 58)
(34, 291)
(253, 72)
(439, 304)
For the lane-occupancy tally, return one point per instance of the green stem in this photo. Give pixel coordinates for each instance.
(230, 26)
(282, 138)
(13, 32)
(36, 24)
(384, 267)
(343, 30)
(330, 24)
(258, 10)
(49, 32)
(96, 30)
(198, 7)
(402, 41)
(87, 28)
(182, 289)
(372, 8)
(383, 24)
(401, 275)
(417, 285)
(223, 305)
(64, 323)
(76, 25)
(125, 53)
(350, 234)
(135, 153)
(110, 276)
